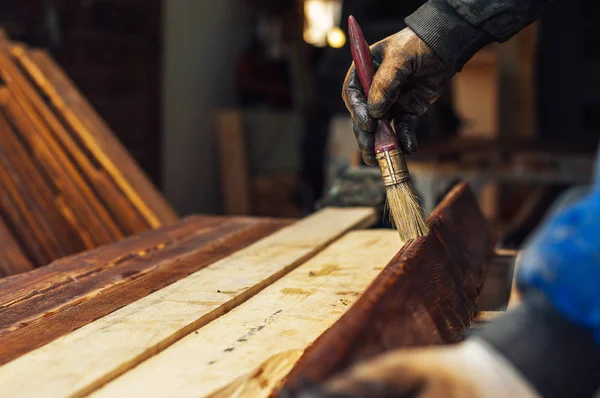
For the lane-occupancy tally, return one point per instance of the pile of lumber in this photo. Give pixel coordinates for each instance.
(66, 183)
(240, 307)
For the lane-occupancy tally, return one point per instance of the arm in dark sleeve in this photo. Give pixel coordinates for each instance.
(553, 337)
(557, 357)
(457, 29)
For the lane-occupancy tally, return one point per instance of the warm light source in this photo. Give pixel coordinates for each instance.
(336, 38)
(322, 17)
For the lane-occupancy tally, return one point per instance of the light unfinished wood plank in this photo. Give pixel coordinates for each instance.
(266, 332)
(93, 355)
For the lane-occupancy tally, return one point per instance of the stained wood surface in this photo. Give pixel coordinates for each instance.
(426, 295)
(273, 326)
(12, 258)
(66, 183)
(73, 366)
(235, 188)
(42, 305)
(98, 138)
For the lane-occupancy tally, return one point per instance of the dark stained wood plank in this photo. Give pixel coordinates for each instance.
(72, 186)
(38, 192)
(458, 217)
(96, 135)
(30, 321)
(21, 203)
(12, 259)
(52, 159)
(25, 234)
(49, 132)
(64, 192)
(426, 295)
(64, 271)
(123, 211)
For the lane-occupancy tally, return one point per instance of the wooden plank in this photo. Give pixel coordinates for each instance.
(54, 162)
(41, 155)
(47, 127)
(87, 274)
(234, 165)
(25, 234)
(15, 288)
(283, 319)
(38, 194)
(123, 339)
(12, 258)
(123, 211)
(57, 299)
(96, 135)
(426, 295)
(21, 202)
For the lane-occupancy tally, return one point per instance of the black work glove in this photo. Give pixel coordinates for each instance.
(409, 78)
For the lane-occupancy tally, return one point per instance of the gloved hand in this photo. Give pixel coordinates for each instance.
(409, 78)
(466, 370)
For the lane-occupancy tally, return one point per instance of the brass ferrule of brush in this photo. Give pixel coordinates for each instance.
(393, 167)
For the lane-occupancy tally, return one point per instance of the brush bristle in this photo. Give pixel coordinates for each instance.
(406, 213)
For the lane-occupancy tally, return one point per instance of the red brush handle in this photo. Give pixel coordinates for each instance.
(385, 139)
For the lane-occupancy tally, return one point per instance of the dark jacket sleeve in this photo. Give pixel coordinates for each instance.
(457, 29)
(558, 358)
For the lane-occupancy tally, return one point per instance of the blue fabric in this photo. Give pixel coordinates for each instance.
(563, 260)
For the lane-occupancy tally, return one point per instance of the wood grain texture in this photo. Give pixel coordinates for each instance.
(27, 182)
(269, 328)
(130, 335)
(50, 158)
(23, 234)
(97, 137)
(68, 185)
(426, 295)
(12, 259)
(45, 131)
(40, 306)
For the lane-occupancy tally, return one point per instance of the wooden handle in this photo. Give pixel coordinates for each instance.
(385, 139)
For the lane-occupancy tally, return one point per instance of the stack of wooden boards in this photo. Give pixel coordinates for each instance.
(66, 183)
(240, 307)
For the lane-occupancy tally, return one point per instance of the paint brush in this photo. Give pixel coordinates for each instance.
(405, 209)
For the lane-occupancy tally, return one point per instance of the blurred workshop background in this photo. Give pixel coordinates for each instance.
(234, 106)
